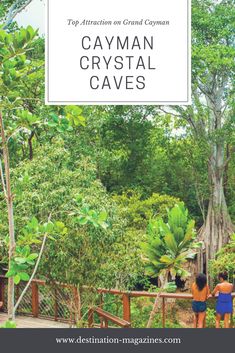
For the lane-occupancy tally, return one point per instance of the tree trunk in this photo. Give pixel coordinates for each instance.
(30, 143)
(218, 225)
(164, 280)
(9, 200)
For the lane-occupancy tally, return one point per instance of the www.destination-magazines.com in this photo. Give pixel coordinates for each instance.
(118, 340)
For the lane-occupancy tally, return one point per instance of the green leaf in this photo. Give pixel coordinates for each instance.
(21, 260)
(191, 256)
(17, 279)
(166, 259)
(79, 199)
(34, 222)
(103, 216)
(32, 256)
(82, 220)
(25, 251)
(24, 276)
(170, 242)
(10, 273)
(49, 227)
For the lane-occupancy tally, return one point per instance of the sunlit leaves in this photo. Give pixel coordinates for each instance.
(31, 236)
(74, 115)
(21, 263)
(85, 216)
(59, 123)
(213, 41)
(169, 245)
(170, 287)
(224, 261)
(8, 325)
(27, 118)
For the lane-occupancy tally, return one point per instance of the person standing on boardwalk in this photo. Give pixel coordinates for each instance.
(224, 305)
(200, 292)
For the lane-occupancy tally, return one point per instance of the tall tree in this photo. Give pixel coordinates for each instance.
(13, 65)
(210, 115)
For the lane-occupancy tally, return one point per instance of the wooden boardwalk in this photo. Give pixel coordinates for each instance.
(30, 322)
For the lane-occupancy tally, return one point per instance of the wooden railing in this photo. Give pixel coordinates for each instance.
(105, 317)
(33, 304)
(126, 300)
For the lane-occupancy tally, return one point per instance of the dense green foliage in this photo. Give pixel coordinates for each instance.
(104, 173)
(225, 261)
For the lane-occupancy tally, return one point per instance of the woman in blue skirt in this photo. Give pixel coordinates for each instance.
(224, 305)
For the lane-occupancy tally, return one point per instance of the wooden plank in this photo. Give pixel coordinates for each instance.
(110, 317)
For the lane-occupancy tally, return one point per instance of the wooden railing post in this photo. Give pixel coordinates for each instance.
(126, 302)
(231, 321)
(2, 291)
(90, 318)
(163, 312)
(106, 323)
(35, 300)
(101, 306)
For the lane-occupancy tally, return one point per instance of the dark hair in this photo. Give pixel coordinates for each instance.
(223, 275)
(201, 281)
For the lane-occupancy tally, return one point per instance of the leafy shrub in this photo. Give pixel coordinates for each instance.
(170, 287)
(140, 311)
(210, 318)
(225, 260)
(8, 324)
(48, 184)
(139, 211)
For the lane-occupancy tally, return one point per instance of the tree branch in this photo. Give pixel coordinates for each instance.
(228, 159)
(16, 8)
(2, 179)
(34, 271)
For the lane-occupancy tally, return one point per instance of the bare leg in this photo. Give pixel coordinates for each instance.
(226, 320)
(201, 318)
(218, 318)
(195, 319)
(204, 322)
